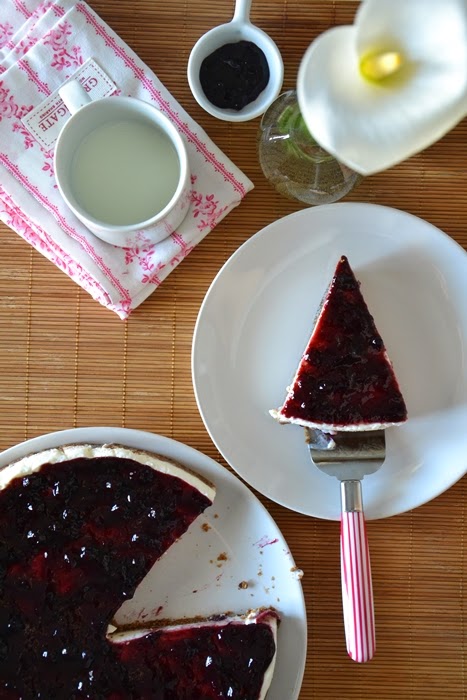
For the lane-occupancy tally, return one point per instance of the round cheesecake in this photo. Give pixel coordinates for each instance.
(80, 527)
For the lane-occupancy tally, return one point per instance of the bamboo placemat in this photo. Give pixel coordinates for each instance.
(68, 362)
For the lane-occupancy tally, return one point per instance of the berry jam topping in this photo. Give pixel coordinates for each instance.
(234, 75)
(345, 377)
(227, 661)
(76, 539)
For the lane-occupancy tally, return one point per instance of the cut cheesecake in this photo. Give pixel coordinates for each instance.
(231, 656)
(80, 527)
(345, 380)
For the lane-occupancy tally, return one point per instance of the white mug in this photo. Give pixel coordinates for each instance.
(122, 168)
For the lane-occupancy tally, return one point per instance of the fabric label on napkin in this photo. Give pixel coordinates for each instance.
(47, 120)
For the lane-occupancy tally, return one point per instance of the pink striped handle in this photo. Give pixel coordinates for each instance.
(357, 589)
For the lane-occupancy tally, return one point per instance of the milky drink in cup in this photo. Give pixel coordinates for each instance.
(122, 168)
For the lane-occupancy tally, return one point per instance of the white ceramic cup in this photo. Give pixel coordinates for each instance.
(88, 121)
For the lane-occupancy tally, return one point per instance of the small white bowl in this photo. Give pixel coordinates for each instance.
(239, 29)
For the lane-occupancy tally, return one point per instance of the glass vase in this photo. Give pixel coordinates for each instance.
(294, 163)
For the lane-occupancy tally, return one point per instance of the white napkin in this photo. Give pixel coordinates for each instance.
(51, 45)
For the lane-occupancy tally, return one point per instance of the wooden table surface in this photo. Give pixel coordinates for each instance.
(67, 362)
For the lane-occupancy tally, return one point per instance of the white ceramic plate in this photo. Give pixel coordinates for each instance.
(257, 317)
(190, 580)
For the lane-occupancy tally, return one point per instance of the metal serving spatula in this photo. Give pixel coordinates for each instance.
(349, 457)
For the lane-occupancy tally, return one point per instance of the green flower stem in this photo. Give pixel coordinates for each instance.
(300, 143)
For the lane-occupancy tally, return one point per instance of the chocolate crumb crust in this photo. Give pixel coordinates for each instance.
(228, 615)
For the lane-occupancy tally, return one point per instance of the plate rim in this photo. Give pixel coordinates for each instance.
(304, 212)
(455, 248)
(80, 435)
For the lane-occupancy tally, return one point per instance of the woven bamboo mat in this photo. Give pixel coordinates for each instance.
(68, 362)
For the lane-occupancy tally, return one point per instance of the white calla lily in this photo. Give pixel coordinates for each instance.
(375, 93)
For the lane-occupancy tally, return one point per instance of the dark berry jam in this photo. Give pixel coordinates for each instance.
(234, 75)
(76, 538)
(204, 663)
(345, 377)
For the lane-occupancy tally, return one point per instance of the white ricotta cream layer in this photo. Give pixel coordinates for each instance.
(33, 462)
(329, 427)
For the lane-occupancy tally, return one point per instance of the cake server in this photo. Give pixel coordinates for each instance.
(350, 456)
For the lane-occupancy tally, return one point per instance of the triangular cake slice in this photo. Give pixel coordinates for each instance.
(80, 527)
(345, 379)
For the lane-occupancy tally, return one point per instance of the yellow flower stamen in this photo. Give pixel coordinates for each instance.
(377, 66)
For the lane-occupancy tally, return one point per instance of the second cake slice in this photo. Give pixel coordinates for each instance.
(345, 380)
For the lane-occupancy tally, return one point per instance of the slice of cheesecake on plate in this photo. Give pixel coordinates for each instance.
(345, 380)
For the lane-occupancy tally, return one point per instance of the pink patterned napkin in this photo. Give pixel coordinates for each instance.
(16, 17)
(54, 40)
